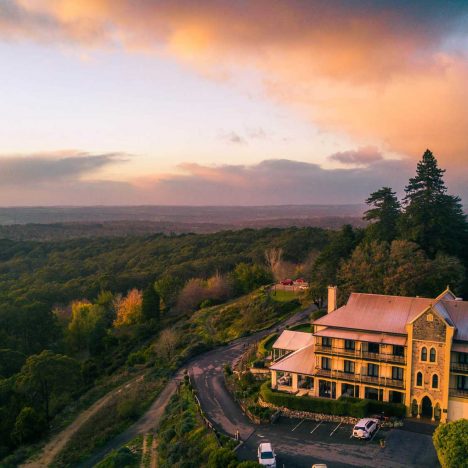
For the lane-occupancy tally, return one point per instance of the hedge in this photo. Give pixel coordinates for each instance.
(342, 407)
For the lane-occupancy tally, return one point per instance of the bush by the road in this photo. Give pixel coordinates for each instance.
(451, 444)
(342, 407)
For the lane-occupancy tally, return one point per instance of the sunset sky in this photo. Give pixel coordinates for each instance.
(228, 102)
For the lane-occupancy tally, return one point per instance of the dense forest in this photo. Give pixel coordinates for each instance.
(75, 311)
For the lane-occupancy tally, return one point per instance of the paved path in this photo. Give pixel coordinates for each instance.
(223, 411)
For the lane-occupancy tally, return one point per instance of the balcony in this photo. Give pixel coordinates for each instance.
(357, 354)
(459, 367)
(359, 378)
(458, 392)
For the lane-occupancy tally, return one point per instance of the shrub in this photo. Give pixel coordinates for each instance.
(342, 407)
(451, 443)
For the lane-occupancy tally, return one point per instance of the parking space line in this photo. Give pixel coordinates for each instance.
(375, 433)
(312, 431)
(332, 432)
(295, 427)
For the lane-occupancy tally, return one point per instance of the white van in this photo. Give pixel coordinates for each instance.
(365, 428)
(266, 455)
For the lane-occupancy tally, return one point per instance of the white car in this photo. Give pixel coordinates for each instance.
(266, 455)
(365, 428)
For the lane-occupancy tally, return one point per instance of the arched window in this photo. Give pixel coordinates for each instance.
(432, 355)
(435, 381)
(419, 379)
(424, 354)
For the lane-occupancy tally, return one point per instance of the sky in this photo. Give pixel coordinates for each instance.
(256, 102)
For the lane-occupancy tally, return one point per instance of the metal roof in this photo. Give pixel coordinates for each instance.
(363, 336)
(293, 340)
(301, 361)
(458, 312)
(376, 312)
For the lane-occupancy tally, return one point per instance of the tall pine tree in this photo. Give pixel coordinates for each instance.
(432, 218)
(383, 215)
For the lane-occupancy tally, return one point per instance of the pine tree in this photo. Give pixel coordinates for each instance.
(150, 305)
(432, 218)
(384, 215)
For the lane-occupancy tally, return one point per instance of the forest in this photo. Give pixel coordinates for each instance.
(76, 312)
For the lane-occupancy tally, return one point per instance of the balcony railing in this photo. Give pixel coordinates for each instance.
(458, 367)
(458, 392)
(359, 378)
(357, 354)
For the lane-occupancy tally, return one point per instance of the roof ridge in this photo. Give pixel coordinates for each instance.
(393, 295)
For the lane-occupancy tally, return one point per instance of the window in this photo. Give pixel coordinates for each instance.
(424, 354)
(429, 317)
(432, 355)
(349, 344)
(397, 373)
(462, 382)
(463, 358)
(435, 381)
(373, 347)
(326, 363)
(373, 370)
(398, 351)
(349, 367)
(326, 341)
(419, 379)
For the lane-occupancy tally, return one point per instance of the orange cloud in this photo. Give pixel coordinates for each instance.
(380, 72)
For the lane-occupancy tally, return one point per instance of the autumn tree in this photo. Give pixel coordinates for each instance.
(166, 344)
(129, 311)
(47, 380)
(192, 295)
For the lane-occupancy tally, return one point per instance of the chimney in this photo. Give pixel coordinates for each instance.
(332, 298)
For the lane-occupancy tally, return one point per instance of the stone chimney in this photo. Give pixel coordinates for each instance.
(332, 298)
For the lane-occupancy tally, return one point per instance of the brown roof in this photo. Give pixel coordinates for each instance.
(376, 312)
(293, 340)
(301, 361)
(362, 336)
(458, 313)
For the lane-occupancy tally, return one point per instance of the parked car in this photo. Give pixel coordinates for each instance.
(365, 428)
(303, 286)
(266, 455)
(287, 282)
(319, 465)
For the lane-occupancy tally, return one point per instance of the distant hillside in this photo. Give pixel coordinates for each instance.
(61, 223)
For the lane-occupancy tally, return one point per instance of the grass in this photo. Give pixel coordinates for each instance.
(281, 295)
(117, 414)
(128, 456)
(302, 327)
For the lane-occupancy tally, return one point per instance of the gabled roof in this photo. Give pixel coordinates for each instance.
(458, 313)
(293, 340)
(301, 361)
(375, 312)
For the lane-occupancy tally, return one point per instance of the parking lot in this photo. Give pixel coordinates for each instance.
(301, 443)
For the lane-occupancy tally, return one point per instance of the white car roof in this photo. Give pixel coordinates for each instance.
(266, 447)
(365, 421)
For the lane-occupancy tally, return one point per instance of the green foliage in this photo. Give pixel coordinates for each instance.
(222, 458)
(11, 362)
(432, 218)
(48, 380)
(150, 304)
(398, 269)
(122, 458)
(250, 277)
(29, 425)
(265, 345)
(384, 215)
(451, 443)
(340, 407)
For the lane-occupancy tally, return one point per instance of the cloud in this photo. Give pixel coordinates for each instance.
(388, 72)
(232, 138)
(362, 156)
(43, 168)
(277, 181)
